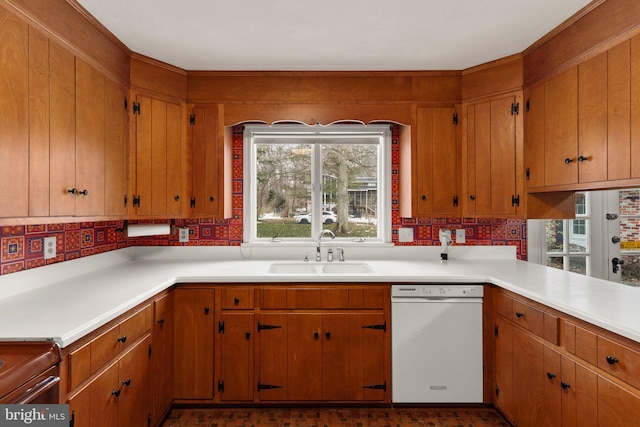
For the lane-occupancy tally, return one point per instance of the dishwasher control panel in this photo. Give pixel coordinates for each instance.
(437, 291)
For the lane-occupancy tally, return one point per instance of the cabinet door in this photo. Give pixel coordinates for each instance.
(619, 111)
(105, 397)
(207, 163)
(527, 379)
(158, 158)
(62, 131)
(534, 135)
(14, 116)
(504, 398)
(80, 408)
(635, 107)
(592, 120)
(116, 150)
(336, 356)
(616, 406)
(304, 358)
(90, 140)
(194, 344)
(135, 401)
(561, 128)
(162, 356)
(367, 361)
(236, 351)
(437, 160)
(552, 394)
(273, 367)
(493, 150)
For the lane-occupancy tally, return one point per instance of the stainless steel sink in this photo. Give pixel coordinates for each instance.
(320, 268)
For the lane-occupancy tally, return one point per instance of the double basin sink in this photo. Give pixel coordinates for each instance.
(311, 267)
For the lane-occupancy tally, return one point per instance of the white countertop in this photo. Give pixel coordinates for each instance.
(65, 301)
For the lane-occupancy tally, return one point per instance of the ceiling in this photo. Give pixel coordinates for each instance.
(329, 35)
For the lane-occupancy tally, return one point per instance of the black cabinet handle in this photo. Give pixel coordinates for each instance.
(72, 191)
(211, 198)
(115, 393)
(247, 335)
(519, 314)
(423, 197)
(83, 192)
(568, 161)
(127, 382)
(582, 159)
(236, 300)
(328, 334)
(551, 375)
(612, 360)
(472, 197)
(315, 335)
(565, 385)
(122, 339)
(161, 321)
(206, 310)
(176, 198)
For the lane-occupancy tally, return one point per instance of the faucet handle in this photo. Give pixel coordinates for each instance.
(330, 255)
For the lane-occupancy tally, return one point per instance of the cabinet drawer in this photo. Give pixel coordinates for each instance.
(581, 342)
(619, 360)
(527, 316)
(79, 365)
(104, 348)
(134, 327)
(291, 298)
(237, 298)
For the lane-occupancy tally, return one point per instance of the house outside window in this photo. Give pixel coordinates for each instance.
(300, 180)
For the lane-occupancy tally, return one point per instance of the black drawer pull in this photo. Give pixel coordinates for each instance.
(519, 314)
(115, 393)
(612, 360)
(127, 382)
(236, 300)
(565, 385)
(551, 375)
(122, 339)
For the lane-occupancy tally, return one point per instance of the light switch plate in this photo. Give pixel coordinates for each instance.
(49, 247)
(460, 235)
(405, 234)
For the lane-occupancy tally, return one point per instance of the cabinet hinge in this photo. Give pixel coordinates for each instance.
(126, 104)
(455, 118)
(515, 108)
(149, 420)
(528, 174)
(267, 386)
(515, 200)
(377, 386)
(192, 202)
(261, 327)
(149, 351)
(527, 105)
(136, 201)
(72, 421)
(220, 327)
(455, 201)
(125, 200)
(136, 108)
(192, 119)
(495, 330)
(497, 391)
(221, 386)
(382, 326)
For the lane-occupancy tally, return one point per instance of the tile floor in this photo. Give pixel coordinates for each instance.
(329, 417)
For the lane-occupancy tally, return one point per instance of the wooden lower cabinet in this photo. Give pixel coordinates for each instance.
(235, 382)
(543, 383)
(194, 343)
(328, 356)
(119, 395)
(162, 356)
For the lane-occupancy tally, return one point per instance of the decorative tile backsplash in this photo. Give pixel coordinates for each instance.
(23, 245)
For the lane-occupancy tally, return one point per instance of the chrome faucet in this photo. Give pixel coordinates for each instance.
(322, 233)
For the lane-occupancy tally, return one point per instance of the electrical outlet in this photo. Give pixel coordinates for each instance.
(461, 235)
(49, 247)
(183, 234)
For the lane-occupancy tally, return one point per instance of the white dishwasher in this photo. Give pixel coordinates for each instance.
(436, 343)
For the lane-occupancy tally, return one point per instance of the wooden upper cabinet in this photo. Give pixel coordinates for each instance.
(211, 165)
(494, 158)
(116, 117)
(580, 122)
(437, 162)
(635, 107)
(159, 158)
(14, 116)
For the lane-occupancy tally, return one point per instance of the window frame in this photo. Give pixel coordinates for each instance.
(316, 133)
